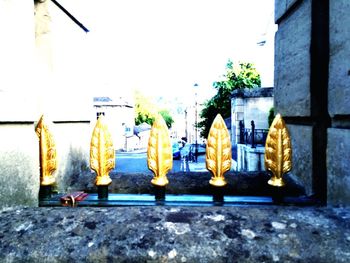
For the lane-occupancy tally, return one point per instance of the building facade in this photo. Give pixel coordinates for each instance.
(119, 116)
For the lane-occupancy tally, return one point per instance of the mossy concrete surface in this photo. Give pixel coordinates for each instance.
(175, 234)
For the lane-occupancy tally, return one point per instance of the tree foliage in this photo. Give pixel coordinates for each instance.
(271, 116)
(167, 117)
(242, 75)
(146, 110)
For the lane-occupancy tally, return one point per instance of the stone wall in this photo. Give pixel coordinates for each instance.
(312, 92)
(175, 234)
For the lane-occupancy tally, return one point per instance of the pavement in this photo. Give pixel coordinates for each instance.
(198, 166)
(185, 165)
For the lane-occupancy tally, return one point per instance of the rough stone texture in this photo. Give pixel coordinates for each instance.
(338, 169)
(292, 67)
(302, 154)
(282, 6)
(339, 60)
(19, 165)
(175, 234)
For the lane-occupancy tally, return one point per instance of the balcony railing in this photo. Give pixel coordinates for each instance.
(252, 136)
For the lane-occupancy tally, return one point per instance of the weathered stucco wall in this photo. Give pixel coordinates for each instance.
(19, 165)
(19, 156)
(33, 83)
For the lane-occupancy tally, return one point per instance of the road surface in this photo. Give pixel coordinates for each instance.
(136, 162)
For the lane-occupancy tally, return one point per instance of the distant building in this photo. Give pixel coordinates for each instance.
(119, 115)
(249, 105)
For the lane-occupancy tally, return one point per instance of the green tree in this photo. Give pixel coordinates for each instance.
(146, 110)
(242, 75)
(167, 117)
(271, 116)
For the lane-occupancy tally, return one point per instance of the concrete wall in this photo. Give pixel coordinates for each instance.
(312, 92)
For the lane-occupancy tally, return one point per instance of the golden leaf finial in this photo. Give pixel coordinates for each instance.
(278, 151)
(159, 152)
(218, 152)
(102, 155)
(48, 161)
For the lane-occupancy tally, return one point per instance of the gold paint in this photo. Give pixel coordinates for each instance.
(48, 161)
(278, 151)
(102, 155)
(218, 152)
(159, 152)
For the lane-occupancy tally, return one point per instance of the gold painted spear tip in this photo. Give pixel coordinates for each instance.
(102, 154)
(218, 182)
(278, 151)
(48, 155)
(159, 152)
(277, 182)
(218, 152)
(160, 181)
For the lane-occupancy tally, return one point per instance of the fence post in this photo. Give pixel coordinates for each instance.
(241, 132)
(253, 134)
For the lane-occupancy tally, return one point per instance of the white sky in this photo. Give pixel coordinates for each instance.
(165, 46)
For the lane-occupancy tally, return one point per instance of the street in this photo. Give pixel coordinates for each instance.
(136, 162)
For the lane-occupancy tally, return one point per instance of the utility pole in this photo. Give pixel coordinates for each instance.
(196, 124)
(186, 128)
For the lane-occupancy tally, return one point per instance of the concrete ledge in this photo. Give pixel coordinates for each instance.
(242, 183)
(175, 234)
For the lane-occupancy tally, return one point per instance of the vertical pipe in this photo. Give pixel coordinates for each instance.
(253, 134)
(241, 132)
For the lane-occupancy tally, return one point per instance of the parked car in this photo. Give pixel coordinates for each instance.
(192, 152)
(176, 151)
(200, 148)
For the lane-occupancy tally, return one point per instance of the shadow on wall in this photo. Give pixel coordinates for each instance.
(77, 174)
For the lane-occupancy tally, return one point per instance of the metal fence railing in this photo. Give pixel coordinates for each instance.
(252, 136)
